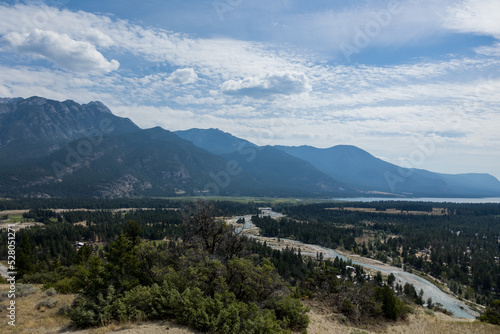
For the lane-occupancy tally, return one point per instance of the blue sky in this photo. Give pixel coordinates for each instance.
(413, 82)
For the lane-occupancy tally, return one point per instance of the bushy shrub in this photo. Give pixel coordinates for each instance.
(64, 310)
(23, 290)
(291, 312)
(222, 313)
(46, 303)
(492, 313)
(66, 285)
(82, 316)
(50, 292)
(392, 307)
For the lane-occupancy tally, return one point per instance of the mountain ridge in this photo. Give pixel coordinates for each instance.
(70, 149)
(353, 166)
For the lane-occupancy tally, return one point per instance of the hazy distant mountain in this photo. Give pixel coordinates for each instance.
(361, 169)
(214, 140)
(274, 169)
(279, 170)
(50, 148)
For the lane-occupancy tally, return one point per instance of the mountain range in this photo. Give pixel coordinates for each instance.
(65, 149)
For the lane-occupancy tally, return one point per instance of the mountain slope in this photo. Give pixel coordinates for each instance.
(361, 169)
(153, 162)
(279, 170)
(215, 140)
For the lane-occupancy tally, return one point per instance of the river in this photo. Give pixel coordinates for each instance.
(457, 307)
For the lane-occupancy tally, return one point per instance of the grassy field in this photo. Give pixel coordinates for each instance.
(240, 199)
(434, 212)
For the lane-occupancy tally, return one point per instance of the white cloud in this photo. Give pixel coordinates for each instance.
(491, 51)
(65, 52)
(97, 37)
(183, 76)
(475, 16)
(271, 84)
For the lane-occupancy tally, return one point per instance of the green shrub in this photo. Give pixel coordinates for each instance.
(492, 313)
(82, 313)
(429, 311)
(392, 307)
(254, 320)
(349, 309)
(66, 285)
(64, 310)
(291, 312)
(47, 303)
(22, 290)
(49, 292)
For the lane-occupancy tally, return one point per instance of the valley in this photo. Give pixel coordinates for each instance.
(250, 167)
(103, 212)
(297, 238)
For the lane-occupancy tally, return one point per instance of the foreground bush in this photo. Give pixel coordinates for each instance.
(492, 313)
(222, 313)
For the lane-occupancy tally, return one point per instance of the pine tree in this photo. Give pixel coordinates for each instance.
(25, 260)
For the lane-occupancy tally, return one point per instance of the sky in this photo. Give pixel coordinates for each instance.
(416, 83)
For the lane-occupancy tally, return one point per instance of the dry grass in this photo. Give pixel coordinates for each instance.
(33, 315)
(367, 237)
(31, 320)
(324, 322)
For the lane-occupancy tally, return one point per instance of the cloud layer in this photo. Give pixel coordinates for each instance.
(285, 83)
(269, 91)
(65, 52)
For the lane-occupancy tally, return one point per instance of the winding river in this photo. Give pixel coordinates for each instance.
(457, 307)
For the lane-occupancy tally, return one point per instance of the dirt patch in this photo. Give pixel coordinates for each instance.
(18, 226)
(13, 212)
(323, 321)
